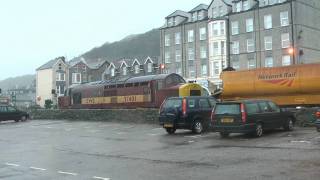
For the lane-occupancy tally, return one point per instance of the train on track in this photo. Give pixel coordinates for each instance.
(136, 92)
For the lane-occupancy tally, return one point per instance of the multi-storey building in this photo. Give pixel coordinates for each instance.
(51, 80)
(184, 43)
(268, 33)
(218, 38)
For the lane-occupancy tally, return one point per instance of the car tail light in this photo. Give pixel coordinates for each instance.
(318, 114)
(184, 107)
(243, 113)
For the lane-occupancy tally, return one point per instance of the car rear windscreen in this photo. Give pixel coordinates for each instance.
(227, 109)
(173, 103)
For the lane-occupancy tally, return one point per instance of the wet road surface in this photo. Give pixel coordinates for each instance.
(43, 149)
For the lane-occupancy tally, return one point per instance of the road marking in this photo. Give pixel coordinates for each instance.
(36, 168)
(191, 141)
(156, 129)
(196, 136)
(101, 178)
(120, 133)
(67, 173)
(300, 142)
(11, 164)
(154, 134)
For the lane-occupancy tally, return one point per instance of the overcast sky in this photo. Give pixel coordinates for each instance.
(35, 31)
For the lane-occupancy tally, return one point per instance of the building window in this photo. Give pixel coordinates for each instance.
(178, 55)
(268, 43)
(285, 40)
(268, 21)
(236, 64)
(167, 40)
(190, 54)
(203, 34)
(194, 16)
(245, 5)
(76, 78)
(268, 62)
(136, 69)
(169, 22)
(235, 27)
(167, 57)
(222, 48)
(249, 25)
(200, 15)
(216, 68)
(250, 45)
(215, 29)
(190, 36)
(60, 77)
(238, 6)
(112, 72)
(215, 48)
(235, 47)
(204, 70)
(149, 67)
(286, 60)
(214, 12)
(284, 19)
(203, 52)
(192, 72)
(222, 29)
(178, 38)
(178, 69)
(124, 70)
(251, 63)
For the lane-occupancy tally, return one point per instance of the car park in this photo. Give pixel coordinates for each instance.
(11, 113)
(191, 112)
(250, 117)
(317, 123)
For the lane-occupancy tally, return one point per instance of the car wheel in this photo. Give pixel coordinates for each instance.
(23, 118)
(16, 120)
(171, 130)
(259, 130)
(198, 127)
(224, 134)
(289, 125)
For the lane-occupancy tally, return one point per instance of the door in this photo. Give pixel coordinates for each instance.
(3, 113)
(205, 110)
(13, 114)
(267, 115)
(277, 115)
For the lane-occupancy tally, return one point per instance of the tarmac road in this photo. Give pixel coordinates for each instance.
(42, 149)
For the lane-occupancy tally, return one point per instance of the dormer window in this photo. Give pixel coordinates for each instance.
(124, 70)
(221, 11)
(214, 12)
(245, 5)
(194, 16)
(200, 15)
(112, 72)
(170, 22)
(238, 6)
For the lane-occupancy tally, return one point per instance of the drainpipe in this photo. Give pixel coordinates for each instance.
(292, 35)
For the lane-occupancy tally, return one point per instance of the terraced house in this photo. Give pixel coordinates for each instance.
(243, 34)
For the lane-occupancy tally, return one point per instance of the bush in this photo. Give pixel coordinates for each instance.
(48, 104)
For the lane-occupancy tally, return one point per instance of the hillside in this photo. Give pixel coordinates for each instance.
(147, 44)
(18, 82)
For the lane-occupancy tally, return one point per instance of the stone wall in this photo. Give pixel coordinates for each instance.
(111, 115)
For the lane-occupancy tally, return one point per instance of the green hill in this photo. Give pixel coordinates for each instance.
(18, 82)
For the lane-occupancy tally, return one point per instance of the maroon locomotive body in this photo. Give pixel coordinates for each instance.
(137, 92)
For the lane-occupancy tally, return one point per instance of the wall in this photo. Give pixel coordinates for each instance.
(44, 85)
(110, 115)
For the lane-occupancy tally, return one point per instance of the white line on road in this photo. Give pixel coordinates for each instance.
(11, 164)
(156, 129)
(120, 133)
(154, 134)
(67, 173)
(301, 142)
(101, 178)
(36, 168)
(196, 136)
(191, 141)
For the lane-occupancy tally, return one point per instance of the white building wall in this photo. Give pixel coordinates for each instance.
(44, 86)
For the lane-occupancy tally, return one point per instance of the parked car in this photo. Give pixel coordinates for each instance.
(317, 123)
(11, 113)
(250, 117)
(186, 113)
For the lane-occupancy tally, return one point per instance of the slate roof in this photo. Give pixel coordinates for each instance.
(50, 63)
(200, 7)
(179, 13)
(92, 64)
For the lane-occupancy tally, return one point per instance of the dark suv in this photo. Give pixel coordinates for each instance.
(250, 117)
(186, 113)
(11, 113)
